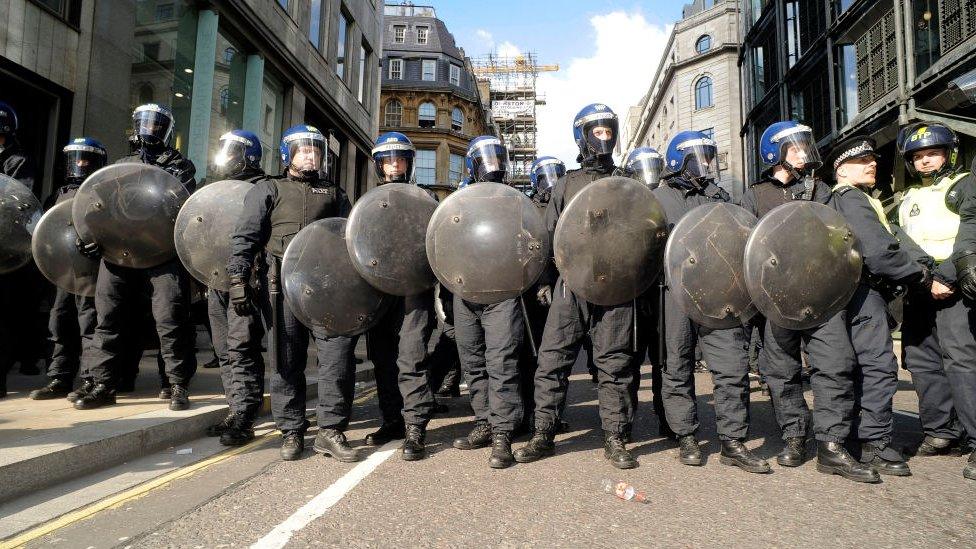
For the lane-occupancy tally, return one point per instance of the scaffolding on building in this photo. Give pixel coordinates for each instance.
(514, 99)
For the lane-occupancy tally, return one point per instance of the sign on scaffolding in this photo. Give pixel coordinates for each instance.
(512, 108)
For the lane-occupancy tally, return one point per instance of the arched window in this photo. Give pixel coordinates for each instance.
(394, 113)
(457, 120)
(703, 93)
(703, 44)
(229, 54)
(427, 115)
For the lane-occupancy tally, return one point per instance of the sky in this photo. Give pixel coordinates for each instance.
(607, 51)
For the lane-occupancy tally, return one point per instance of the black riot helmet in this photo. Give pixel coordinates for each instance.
(487, 159)
(925, 135)
(595, 131)
(238, 151)
(153, 124)
(545, 171)
(83, 157)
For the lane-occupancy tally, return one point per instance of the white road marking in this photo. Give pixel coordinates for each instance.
(320, 504)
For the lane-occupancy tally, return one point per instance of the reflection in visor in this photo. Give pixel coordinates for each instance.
(648, 168)
(152, 125)
(230, 158)
(798, 148)
(80, 161)
(489, 157)
(699, 158)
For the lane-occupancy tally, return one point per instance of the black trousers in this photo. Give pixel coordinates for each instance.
(957, 322)
(611, 332)
(398, 348)
(489, 339)
(116, 289)
(876, 368)
(71, 327)
(237, 344)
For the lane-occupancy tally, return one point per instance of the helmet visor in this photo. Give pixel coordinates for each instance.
(799, 150)
(80, 162)
(229, 159)
(307, 154)
(600, 135)
(647, 168)
(153, 127)
(394, 166)
(700, 158)
(489, 161)
(547, 174)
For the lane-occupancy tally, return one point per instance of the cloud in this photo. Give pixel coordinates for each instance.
(508, 49)
(485, 38)
(626, 52)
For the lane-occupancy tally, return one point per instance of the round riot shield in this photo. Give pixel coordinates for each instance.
(801, 264)
(487, 243)
(322, 287)
(609, 239)
(56, 255)
(130, 210)
(19, 213)
(703, 265)
(204, 227)
(385, 237)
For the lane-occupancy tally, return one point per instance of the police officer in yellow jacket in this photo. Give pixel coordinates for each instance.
(939, 347)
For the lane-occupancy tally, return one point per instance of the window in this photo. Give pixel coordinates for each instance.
(429, 70)
(703, 44)
(427, 115)
(703, 93)
(877, 64)
(164, 12)
(227, 108)
(457, 119)
(396, 69)
(846, 84)
(422, 35)
(314, 22)
(341, 46)
(709, 133)
(272, 117)
(811, 101)
(455, 75)
(393, 114)
(805, 23)
(926, 28)
(764, 65)
(229, 53)
(456, 171)
(150, 51)
(426, 167)
(399, 32)
(362, 93)
(958, 23)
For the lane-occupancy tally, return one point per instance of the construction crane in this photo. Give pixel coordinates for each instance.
(518, 64)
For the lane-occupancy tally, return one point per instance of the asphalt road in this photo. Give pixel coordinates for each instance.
(453, 499)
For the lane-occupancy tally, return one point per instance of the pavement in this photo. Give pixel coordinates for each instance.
(251, 498)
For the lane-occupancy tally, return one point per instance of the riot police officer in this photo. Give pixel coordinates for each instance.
(398, 344)
(571, 319)
(690, 182)
(888, 269)
(543, 174)
(790, 154)
(237, 338)
(943, 366)
(13, 160)
(71, 322)
(275, 209)
(168, 283)
(489, 339)
(646, 165)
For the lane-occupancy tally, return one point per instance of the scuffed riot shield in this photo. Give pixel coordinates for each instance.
(56, 255)
(321, 285)
(703, 265)
(386, 234)
(19, 213)
(609, 239)
(204, 227)
(130, 210)
(801, 265)
(487, 243)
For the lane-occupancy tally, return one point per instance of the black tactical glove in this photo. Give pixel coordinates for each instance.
(240, 296)
(544, 295)
(966, 274)
(90, 250)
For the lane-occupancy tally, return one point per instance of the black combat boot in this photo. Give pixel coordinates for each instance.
(239, 431)
(413, 448)
(387, 432)
(165, 392)
(970, 470)
(180, 399)
(935, 446)
(450, 386)
(794, 452)
(885, 459)
(100, 396)
(615, 450)
(57, 388)
(833, 459)
(292, 445)
(501, 451)
(688, 451)
(85, 388)
(541, 445)
(218, 428)
(479, 437)
(735, 453)
(332, 442)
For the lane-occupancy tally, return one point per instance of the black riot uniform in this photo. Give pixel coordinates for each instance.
(169, 287)
(237, 343)
(725, 351)
(570, 321)
(274, 211)
(888, 269)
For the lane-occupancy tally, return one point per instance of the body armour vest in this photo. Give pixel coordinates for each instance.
(769, 195)
(297, 204)
(926, 219)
